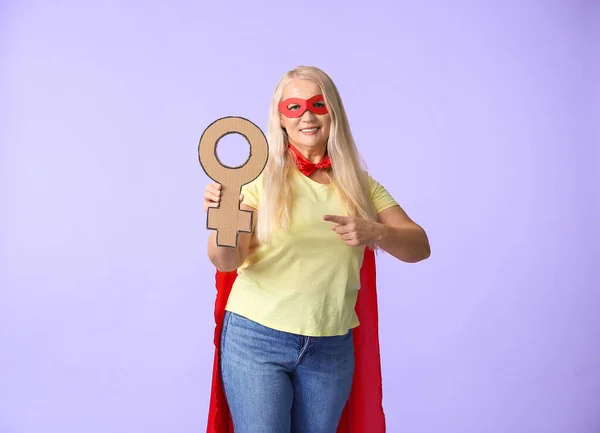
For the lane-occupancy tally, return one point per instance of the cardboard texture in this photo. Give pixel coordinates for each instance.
(228, 219)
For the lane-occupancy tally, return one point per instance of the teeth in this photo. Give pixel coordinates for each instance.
(309, 130)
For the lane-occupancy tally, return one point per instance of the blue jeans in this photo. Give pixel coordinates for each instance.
(277, 382)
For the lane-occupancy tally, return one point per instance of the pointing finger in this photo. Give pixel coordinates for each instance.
(336, 219)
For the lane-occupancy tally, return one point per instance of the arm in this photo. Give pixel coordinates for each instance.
(227, 259)
(394, 232)
(400, 236)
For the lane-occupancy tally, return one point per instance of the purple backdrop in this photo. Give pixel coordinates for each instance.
(481, 118)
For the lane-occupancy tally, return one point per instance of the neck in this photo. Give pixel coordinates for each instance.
(313, 153)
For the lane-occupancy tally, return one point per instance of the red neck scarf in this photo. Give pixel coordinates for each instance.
(304, 165)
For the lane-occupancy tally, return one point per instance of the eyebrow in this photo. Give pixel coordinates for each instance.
(304, 99)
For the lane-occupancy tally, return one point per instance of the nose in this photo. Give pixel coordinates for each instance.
(308, 116)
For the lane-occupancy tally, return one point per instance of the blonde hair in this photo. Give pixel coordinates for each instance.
(349, 175)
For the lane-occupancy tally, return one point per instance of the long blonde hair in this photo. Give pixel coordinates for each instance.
(349, 175)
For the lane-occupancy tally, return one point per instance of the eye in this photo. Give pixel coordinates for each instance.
(293, 107)
(319, 104)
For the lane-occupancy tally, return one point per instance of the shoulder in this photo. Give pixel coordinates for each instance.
(257, 183)
(372, 184)
(253, 191)
(379, 195)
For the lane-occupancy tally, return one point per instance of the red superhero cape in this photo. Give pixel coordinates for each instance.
(364, 411)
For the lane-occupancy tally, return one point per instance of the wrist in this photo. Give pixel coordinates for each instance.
(380, 232)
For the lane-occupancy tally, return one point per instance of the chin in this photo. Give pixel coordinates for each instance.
(310, 141)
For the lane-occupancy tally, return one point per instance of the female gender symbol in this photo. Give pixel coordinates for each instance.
(228, 219)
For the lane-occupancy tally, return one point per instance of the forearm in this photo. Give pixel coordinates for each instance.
(225, 259)
(408, 243)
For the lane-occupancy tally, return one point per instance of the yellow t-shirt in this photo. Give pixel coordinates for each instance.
(306, 280)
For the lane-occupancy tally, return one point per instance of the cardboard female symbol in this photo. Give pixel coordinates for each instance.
(228, 219)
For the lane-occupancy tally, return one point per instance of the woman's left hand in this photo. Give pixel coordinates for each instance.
(355, 232)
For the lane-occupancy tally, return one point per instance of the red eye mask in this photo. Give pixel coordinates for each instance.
(298, 106)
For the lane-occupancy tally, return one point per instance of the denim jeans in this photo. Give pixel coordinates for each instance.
(277, 382)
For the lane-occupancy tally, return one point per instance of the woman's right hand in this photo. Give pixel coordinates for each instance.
(212, 195)
(224, 258)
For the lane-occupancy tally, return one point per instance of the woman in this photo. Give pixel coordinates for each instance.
(286, 348)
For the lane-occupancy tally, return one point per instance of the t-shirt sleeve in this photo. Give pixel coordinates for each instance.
(252, 192)
(380, 197)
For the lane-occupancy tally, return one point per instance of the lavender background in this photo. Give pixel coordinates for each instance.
(481, 118)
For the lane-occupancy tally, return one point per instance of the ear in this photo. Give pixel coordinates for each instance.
(283, 129)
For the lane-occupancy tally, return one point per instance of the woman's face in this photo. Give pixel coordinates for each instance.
(311, 128)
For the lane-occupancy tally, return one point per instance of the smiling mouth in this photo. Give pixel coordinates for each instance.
(310, 130)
